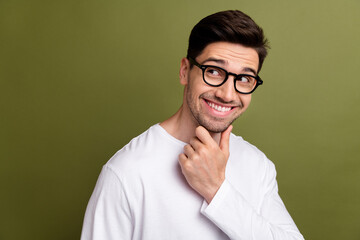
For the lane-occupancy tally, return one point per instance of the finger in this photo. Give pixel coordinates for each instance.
(195, 143)
(182, 159)
(204, 136)
(224, 140)
(188, 151)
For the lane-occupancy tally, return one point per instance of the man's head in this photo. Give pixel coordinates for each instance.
(231, 26)
(228, 49)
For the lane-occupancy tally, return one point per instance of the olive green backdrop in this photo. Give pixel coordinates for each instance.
(79, 79)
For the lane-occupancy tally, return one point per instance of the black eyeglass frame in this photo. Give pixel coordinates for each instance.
(259, 81)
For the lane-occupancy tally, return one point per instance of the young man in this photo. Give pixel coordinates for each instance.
(189, 177)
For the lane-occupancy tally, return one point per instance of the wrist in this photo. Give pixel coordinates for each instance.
(211, 194)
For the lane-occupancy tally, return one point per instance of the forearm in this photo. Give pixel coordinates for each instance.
(239, 220)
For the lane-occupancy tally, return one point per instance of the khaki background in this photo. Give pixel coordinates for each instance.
(79, 79)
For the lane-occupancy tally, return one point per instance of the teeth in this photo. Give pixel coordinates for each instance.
(219, 108)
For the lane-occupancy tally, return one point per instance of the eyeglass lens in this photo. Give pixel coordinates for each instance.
(216, 76)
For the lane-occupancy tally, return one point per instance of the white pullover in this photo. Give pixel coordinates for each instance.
(142, 194)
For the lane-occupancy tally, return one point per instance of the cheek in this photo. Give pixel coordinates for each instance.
(245, 100)
(195, 87)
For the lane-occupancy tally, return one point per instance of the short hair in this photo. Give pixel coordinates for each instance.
(231, 26)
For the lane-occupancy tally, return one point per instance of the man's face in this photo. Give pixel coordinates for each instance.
(215, 108)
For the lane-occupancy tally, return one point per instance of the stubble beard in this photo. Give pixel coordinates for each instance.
(212, 127)
(210, 123)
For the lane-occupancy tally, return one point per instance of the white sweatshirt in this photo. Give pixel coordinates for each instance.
(142, 194)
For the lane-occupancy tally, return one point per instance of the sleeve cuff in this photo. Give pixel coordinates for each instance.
(219, 197)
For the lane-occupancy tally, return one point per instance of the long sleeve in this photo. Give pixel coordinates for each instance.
(107, 215)
(236, 217)
(142, 194)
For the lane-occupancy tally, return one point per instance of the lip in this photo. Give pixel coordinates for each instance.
(217, 113)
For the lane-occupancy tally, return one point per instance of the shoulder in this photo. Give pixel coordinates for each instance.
(238, 144)
(137, 148)
(248, 154)
(148, 149)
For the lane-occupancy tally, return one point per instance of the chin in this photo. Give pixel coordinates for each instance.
(213, 124)
(215, 127)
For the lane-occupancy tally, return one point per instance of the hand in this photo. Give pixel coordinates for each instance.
(203, 162)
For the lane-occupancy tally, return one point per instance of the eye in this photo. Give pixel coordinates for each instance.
(244, 79)
(215, 72)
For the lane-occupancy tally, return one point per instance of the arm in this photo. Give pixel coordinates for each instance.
(107, 214)
(239, 220)
(203, 164)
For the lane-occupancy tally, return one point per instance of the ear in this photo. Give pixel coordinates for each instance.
(184, 71)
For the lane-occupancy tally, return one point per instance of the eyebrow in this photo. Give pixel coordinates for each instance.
(222, 62)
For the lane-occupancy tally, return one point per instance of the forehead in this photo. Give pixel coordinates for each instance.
(231, 55)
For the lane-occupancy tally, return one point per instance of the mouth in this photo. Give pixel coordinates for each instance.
(219, 108)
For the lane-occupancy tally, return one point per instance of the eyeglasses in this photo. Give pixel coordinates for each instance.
(217, 76)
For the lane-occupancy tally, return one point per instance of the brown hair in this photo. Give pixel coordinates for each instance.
(228, 26)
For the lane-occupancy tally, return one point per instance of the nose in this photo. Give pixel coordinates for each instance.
(227, 91)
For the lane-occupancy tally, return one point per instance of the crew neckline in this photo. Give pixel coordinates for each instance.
(168, 135)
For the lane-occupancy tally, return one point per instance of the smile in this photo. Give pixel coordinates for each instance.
(218, 107)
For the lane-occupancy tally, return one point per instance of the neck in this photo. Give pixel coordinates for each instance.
(182, 126)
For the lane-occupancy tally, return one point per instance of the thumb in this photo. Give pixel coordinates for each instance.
(224, 140)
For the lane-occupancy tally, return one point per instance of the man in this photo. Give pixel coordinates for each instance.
(189, 177)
